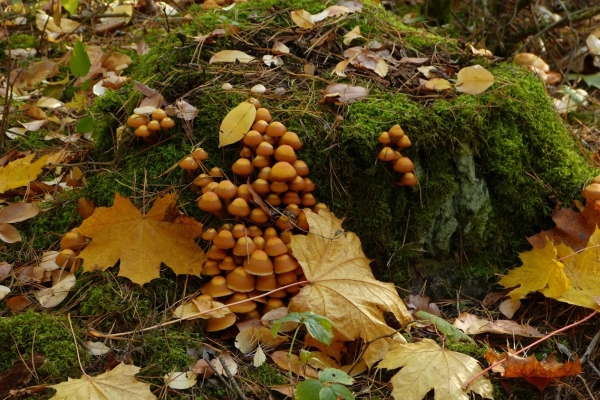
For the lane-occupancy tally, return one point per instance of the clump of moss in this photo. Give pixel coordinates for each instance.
(45, 334)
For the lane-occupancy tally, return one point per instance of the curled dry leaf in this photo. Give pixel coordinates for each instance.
(538, 373)
(118, 383)
(340, 93)
(248, 339)
(426, 366)
(353, 34)
(185, 110)
(278, 313)
(12, 213)
(342, 287)
(474, 80)
(302, 18)
(280, 48)
(473, 325)
(481, 52)
(199, 305)
(180, 380)
(230, 56)
(272, 61)
(162, 235)
(4, 290)
(54, 295)
(96, 348)
(236, 123)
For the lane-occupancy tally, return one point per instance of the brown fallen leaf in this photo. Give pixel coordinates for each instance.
(230, 56)
(474, 80)
(473, 325)
(342, 287)
(427, 366)
(538, 373)
(118, 383)
(19, 374)
(12, 213)
(293, 364)
(198, 305)
(142, 242)
(21, 172)
(18, 303)
(340, 93)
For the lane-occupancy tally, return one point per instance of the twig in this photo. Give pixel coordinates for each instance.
(191, 316)
(468, 383)
(212, 367)
(233, 381)
(76, 346)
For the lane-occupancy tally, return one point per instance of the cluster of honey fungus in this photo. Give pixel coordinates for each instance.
(396, 137)
(252, 255)
(147, 128)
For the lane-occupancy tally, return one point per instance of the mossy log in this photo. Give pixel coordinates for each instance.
(490, 167)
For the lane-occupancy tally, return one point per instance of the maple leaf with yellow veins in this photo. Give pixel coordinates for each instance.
(342, 287)
(21, 172)
(427, 366)
(142, 242)
(118, 383)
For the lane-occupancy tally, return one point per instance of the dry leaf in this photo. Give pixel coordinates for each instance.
(4, 290)
(96, 348)
(142, 242)
(353, 34)
(427, 366)
(280, 48)
(474, 80)
(341, 285)
(180, 380)
(340, 93)
(272, 61)
(481, 52)
(421, 303)
(35, 74)
(236, 123)
(473, 325)
(119, 383)
(249, 339)
(281, 359)
(199, 305)
(18, 303)
(538, 373)
(20, 172)
(12, 213)
(231, 56)
(185, 110)
(54, 295)
(438, 84)
(302, 18)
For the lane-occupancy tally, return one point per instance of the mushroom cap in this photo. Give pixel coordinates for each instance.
(66, 258)
(284, 263)
(282, 171)
(189, 163)
(276, 129)
(320, 206)
(404, 142)
(302, 221)
(216, 253)
(264, 173)
(297, 184)
(284, 223)
(301, 168)
(273, 199)
(167, 123)
(387, 154)
(259, 263)
(246, 152)
(218, 324)
(227, 264)
(244, 193)
(395, 131)
(244, 246)
(72, 240)
(240, 281)
(203, 180)
(291, 197)
(286, 153)
(253, 138)
(226, 86)
(258, 216)
(275, 247)
(265, 149)
(272, 304)
(217, 287)
(263, 114)
(408, 179)
(293, 209)
(254, 231)
(239, 207)
(261, 186)
(261, 161)
(260, 126)
(215, 172)
(270, 139)
(404, 165)
(286, 278)
(200, 154)
(209, 187)
(596, 179)
(224, 240)
(239, 231)
(244, 307)
(266, 283)
(159, 114)
(291, 139)
(310, 186)
(384, 138)
(211, 268)
(142, 131)
(210, 202)
(308, 200)
(279, 187)
(209, 234)
(591, 192)
(154, 125)
(260, 242)
(242, 167)
(286, 237)
(136, 120)
(226, 190)
(269, 233)
(258, 89)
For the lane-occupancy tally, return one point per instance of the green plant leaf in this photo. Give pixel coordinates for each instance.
(85, 124)
(334, 392)
(70, 5)
(80, 61)
(319, 327)
(291, 317)
(308, 390)
(335, 375)
(451, 332)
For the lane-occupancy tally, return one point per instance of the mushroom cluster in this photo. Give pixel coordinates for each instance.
(252, 255)
(147, 128)
(395, 137)
(194, 161)
(71, 245)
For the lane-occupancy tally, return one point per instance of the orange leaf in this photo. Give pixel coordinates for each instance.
(538, 373)
(142, 242)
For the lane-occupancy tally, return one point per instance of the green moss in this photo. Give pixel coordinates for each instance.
(266, 375)
(21, 41)
(22, 335)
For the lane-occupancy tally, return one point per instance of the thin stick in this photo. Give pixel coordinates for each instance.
(233, 381)
(191, 316)
(76, 346)
(529, 347)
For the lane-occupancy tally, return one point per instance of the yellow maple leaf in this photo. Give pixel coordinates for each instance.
(118, 383)
(559, 273)
(142, 242)
(427, 366)
(20, 172)
(342, 286)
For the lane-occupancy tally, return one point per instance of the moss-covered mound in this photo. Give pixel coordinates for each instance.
(490, 166)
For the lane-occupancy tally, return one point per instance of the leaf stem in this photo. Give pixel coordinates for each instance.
(468, 383)
(191, 316)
